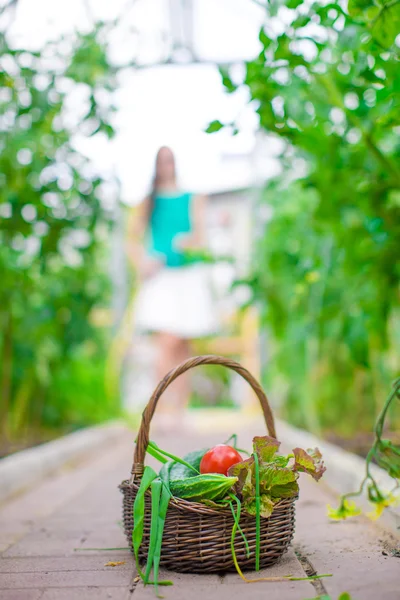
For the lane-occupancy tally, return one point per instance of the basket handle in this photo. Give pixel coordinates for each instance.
(143, 435)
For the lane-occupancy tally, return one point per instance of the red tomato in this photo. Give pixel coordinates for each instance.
(219, 459)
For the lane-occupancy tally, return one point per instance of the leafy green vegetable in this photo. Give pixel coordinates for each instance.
(277, 478)
(266, 447)
(309, 462)
(278, 482)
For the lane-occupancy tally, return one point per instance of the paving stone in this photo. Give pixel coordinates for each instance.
(351, 550)
(74, 563)
(86, 593)
(21, 594)
(80, 509)
(58, 490)
(186, 590)
(113, 577)
(287, 565)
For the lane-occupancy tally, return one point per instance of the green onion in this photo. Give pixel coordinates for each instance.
(156, 487)
(152, 446)
(236, 517)
(156, 454)
(162, 513)
(258, 509)
(138, 513)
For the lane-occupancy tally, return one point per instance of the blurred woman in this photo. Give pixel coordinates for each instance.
(174, 301)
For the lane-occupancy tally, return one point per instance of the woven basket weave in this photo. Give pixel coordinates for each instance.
(197, 538)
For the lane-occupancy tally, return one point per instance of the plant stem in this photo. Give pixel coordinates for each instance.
(258, 509)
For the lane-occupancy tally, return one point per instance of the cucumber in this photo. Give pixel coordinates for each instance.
(179, 472)
(210, 486)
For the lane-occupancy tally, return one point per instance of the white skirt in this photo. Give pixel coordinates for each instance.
(178, 301)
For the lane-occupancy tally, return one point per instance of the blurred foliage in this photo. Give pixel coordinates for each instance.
(326, 271)
(55, 217)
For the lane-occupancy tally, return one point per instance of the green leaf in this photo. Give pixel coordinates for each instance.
(294, 3)
(266, 447)
(227, 82)
(214, 126)
(278, 482)
(309, 462)
(386, 26)
(242, 471)
(264, 39)
(266, 506)
(356, 8)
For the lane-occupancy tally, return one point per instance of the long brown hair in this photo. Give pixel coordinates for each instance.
(155, 184)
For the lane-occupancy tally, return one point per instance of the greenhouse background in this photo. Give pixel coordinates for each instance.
(290, 125)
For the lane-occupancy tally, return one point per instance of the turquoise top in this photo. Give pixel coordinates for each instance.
(170, 217)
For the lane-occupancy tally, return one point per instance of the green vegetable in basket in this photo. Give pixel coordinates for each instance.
(160, 497)
(211, 486)
(138, 513)
(278, 475)
(161, 455)
(259, 483)
(159, 511)
(182, 471)
(156, 488)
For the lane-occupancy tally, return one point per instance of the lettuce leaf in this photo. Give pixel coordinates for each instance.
(278, 482)
(266, 448)
(278, 478)
(309, 462)
(241, 471)
(266, 506)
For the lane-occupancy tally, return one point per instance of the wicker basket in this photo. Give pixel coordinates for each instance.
(197, 538)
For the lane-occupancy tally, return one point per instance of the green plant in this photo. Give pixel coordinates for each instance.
(55, 217)
(326, 87)
(387, 455)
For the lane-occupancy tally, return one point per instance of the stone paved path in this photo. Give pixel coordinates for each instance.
(46, 536)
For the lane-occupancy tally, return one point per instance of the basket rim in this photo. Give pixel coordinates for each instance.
(199, 507)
